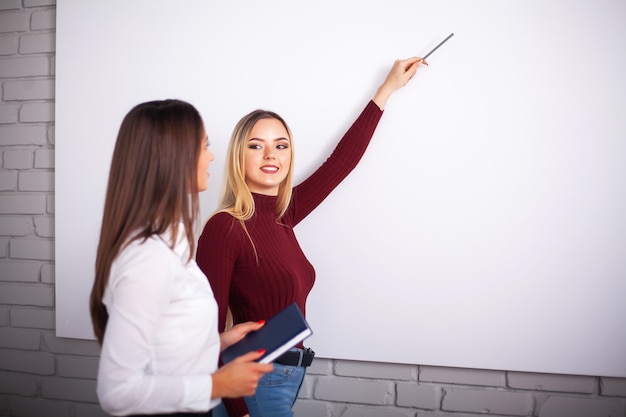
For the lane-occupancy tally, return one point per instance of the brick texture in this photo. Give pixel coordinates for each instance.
(44, 375)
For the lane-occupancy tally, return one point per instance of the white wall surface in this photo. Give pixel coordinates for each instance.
(484, 227)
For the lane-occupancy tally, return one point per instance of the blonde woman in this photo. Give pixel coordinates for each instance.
(248, 248)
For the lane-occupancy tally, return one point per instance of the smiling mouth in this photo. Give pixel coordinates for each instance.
(269, 169)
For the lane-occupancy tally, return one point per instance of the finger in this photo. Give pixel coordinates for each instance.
(250, 356)
(410, 71)
(250, 326)
(265, 368)
(411, 61)
(257, 325)
(412, 65)
(253, 325)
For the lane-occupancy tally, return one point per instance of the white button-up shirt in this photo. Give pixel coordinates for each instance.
(161, 343)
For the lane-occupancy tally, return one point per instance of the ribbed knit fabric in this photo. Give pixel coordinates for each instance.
(283, 275)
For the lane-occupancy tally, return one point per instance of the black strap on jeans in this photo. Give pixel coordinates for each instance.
(300, 357)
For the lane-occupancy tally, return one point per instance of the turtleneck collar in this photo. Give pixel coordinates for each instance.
(263, 202)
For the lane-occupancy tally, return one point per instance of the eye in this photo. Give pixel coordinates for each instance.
(282, 146)
(254, 146)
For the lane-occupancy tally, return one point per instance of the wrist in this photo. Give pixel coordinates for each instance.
(216, 391)
(382, 95)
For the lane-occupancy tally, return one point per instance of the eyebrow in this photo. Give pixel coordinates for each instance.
(269, 140)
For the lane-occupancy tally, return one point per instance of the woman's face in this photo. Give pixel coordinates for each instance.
(205, 159)
(267, 156)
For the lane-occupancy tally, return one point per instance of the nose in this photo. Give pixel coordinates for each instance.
(269, 154)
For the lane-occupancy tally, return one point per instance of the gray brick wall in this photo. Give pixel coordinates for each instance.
(43, 375)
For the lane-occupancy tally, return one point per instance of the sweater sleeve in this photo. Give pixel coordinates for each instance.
(311, 192)
(216, 256)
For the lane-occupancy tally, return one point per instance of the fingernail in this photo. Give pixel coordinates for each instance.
(261, 321)
(261, 351)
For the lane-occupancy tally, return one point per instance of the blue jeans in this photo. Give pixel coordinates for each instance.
(277, 392)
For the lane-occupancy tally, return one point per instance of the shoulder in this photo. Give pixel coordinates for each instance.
(152, 253)
(219, 226)
(144, 270)
(154, 246)
(220, 220)
(221, 217)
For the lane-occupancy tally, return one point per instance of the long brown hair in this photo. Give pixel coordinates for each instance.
(152, 186)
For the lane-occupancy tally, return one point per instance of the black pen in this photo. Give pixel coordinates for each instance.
(435, 48)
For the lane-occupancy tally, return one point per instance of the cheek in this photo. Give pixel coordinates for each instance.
(205, 161)
(247, 160)
(247, 165)
(287, 161)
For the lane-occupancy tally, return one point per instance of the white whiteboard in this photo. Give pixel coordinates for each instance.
(485, 226)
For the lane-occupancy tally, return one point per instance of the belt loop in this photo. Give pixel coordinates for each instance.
(300, 357)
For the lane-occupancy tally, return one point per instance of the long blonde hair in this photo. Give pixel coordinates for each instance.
(152, 186)
(236, 198)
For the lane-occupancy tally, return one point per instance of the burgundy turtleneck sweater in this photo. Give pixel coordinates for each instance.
(283, 275)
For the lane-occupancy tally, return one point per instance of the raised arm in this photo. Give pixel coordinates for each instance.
(400, 74)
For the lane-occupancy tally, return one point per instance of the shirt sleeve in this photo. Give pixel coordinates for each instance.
(346, 156)
(139, 291)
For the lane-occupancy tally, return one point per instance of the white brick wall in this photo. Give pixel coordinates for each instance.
(42, 375)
